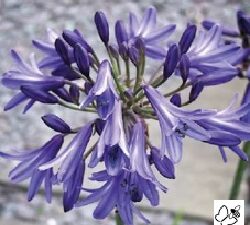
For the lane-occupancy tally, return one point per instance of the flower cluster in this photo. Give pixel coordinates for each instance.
(71, 75)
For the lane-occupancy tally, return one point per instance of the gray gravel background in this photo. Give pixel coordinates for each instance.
(201, 177)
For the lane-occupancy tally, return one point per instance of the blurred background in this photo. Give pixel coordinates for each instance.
(201, 177)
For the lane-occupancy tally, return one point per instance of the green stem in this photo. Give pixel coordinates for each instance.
(66, 105)
(118, 218)
(178, 218)
(242, 166)
(127, 73)
(138, 80)
(115, 75)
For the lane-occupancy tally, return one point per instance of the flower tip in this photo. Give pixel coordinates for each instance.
(102, 26)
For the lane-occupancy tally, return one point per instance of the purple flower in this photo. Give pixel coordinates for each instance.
(103, 92)
(82, 59)
(56, 123)
(25, 74)
(211, 61)
(164, 165)
(102, 26)
(72, 166)
(113, 132)
(171, 61)
(30, 163)
(243, 23)
(147, 31)
(227, 127)
(75, 37)
(31, 81)
(187, 38)
(51, 59)
(175, 123)
(120, 192)
(226, 31)
(138, 159)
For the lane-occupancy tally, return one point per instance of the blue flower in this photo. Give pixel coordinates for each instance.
(227, 127)
(120, 192)
(211, 60)
(147, 31)
(72, 167)
(175, 123)
(103, 92)
(32, 83)
(102, 26)
(30, 163)
(113, 132)
(51, 59)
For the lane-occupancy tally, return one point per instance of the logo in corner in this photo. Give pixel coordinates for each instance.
(228, 212)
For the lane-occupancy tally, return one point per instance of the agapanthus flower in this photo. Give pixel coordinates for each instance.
(121, 192)
(144, 28)
(30, 161)
(32, 83)
(211, 61)
(103, 91)
(118, 136)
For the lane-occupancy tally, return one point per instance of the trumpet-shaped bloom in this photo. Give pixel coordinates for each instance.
(175, 124)
(113, 132)
(103, 91)
(32, 83)
(24, 75)
(72, 167)
(147, 30)
(211, 60)
(120, 192)
(30, 161)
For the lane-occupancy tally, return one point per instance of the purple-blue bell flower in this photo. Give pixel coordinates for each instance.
(75, 37)
(175, 123)
(39, 95)
(119, 192)
(113, 132)
(197, 88)
(62, 93)
(72, 166)
(137, 51)
(211, 60)
(171, 61)
(102, 26)
(138, 159)
(103, 92)
(24, 74)
(15, 101)
(62, 50)
(51, 59)
(187, 38)
(71, 155)
(226, 31)
(56, 123)
(147, 30)
(176, 100)
(121, 32)
(226, 128)
(184, 68)
(72, 187)
(243, 22)
(82, 59)
(164, 165)
(30, 161)
(74, 93)
(114, 160)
